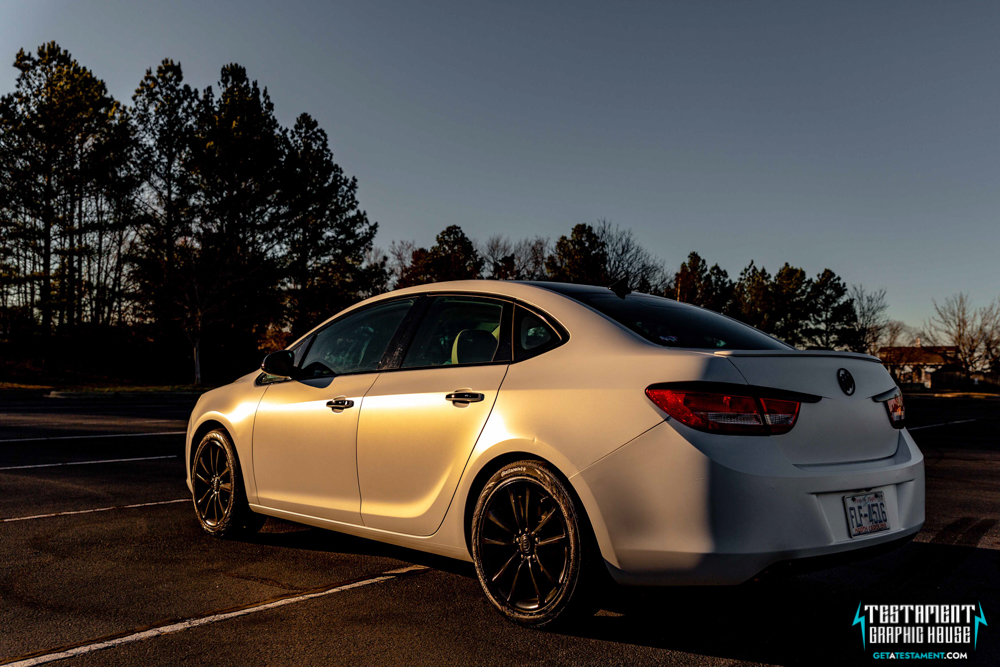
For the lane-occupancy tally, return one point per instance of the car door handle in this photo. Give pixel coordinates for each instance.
(340, 404)
(464, 397)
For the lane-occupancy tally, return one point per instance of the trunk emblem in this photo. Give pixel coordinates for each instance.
(846, 381)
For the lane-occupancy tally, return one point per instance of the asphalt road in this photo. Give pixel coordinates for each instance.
(74, 577)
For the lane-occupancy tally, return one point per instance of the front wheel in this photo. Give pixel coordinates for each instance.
(532, 548)
(220, 501)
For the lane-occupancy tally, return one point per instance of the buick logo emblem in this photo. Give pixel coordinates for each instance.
(846, 381)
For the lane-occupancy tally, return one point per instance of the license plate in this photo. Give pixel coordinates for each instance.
(866, 513)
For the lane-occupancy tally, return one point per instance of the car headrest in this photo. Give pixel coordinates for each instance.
(473, 346)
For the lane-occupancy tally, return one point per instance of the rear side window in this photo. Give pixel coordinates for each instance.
(456, 330)
(671, 324)
(532, 334)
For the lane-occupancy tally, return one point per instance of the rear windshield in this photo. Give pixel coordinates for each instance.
(672, 324)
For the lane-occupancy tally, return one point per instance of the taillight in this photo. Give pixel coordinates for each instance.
(779, 414)
(897, 413)
(726, 412)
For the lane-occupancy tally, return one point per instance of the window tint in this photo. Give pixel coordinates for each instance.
(532, 335)
(355, 343)
(300, 351)
(672, 324)
(456, 330)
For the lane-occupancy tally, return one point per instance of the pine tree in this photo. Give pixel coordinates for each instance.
(329, 237)
(453, 257)
(50, 126)
(579, 258)
(832, 322)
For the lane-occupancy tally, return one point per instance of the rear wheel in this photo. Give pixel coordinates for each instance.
(220, 501)
(532, 548)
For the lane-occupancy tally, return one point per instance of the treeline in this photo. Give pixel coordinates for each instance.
(185, 222)
(181, 233)
(810, 312)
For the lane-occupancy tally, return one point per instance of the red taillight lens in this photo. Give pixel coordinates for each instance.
(779, 414)
(726, 413)
(897, 413)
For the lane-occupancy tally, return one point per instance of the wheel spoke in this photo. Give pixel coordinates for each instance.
(527, 514)
(204, 466)
(534, 582)
(514, 585)
(541, 566)
(226, 471)
(200, 478)
(550, 540)
(545, 520)
(221, 511)
(504, 568)
(513, 507)
(493, 517)
(490, 540)
(228, 486)
(202, 499)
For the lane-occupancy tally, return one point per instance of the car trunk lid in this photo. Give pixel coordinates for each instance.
(839, 428)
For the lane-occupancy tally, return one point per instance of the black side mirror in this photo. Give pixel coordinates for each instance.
(280, 363)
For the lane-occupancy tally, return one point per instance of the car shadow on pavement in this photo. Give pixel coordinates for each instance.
(785, 619)
(806, 619)
(286, 535)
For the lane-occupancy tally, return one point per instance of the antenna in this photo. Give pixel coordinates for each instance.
(620, 287)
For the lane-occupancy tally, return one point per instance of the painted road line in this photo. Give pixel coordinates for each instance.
(91, 511)
(960, 421)
(87, 463)
(85, 437)
(158, 631)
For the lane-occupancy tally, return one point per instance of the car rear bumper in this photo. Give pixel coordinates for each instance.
(671, 512)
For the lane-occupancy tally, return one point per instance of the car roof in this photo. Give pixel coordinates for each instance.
(553, 299)
(511, 288)
(563, 288)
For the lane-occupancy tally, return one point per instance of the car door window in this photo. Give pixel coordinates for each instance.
(456, 330)
(355, 343)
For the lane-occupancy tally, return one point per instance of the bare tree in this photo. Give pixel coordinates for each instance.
(498, 257)
(400, 258)
(957, 324)
(626, 257)
(521, 260)
(990, 324)
(871, 314)
(530, 256)
(896, 334)
(896, 347)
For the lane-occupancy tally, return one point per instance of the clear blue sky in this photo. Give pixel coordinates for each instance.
(860, 137)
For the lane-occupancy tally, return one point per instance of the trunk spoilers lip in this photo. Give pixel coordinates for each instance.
(797, 354)
(738, 390)
(886, 395)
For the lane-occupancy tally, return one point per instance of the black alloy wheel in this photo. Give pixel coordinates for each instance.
(219, 498)
(530, 553)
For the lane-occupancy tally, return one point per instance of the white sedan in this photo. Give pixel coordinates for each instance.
(559, 436)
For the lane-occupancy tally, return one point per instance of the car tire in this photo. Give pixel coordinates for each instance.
(533, 549)
(218, 494)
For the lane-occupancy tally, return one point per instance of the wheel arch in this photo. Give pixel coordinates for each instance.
(581, 496)
(199, 433)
